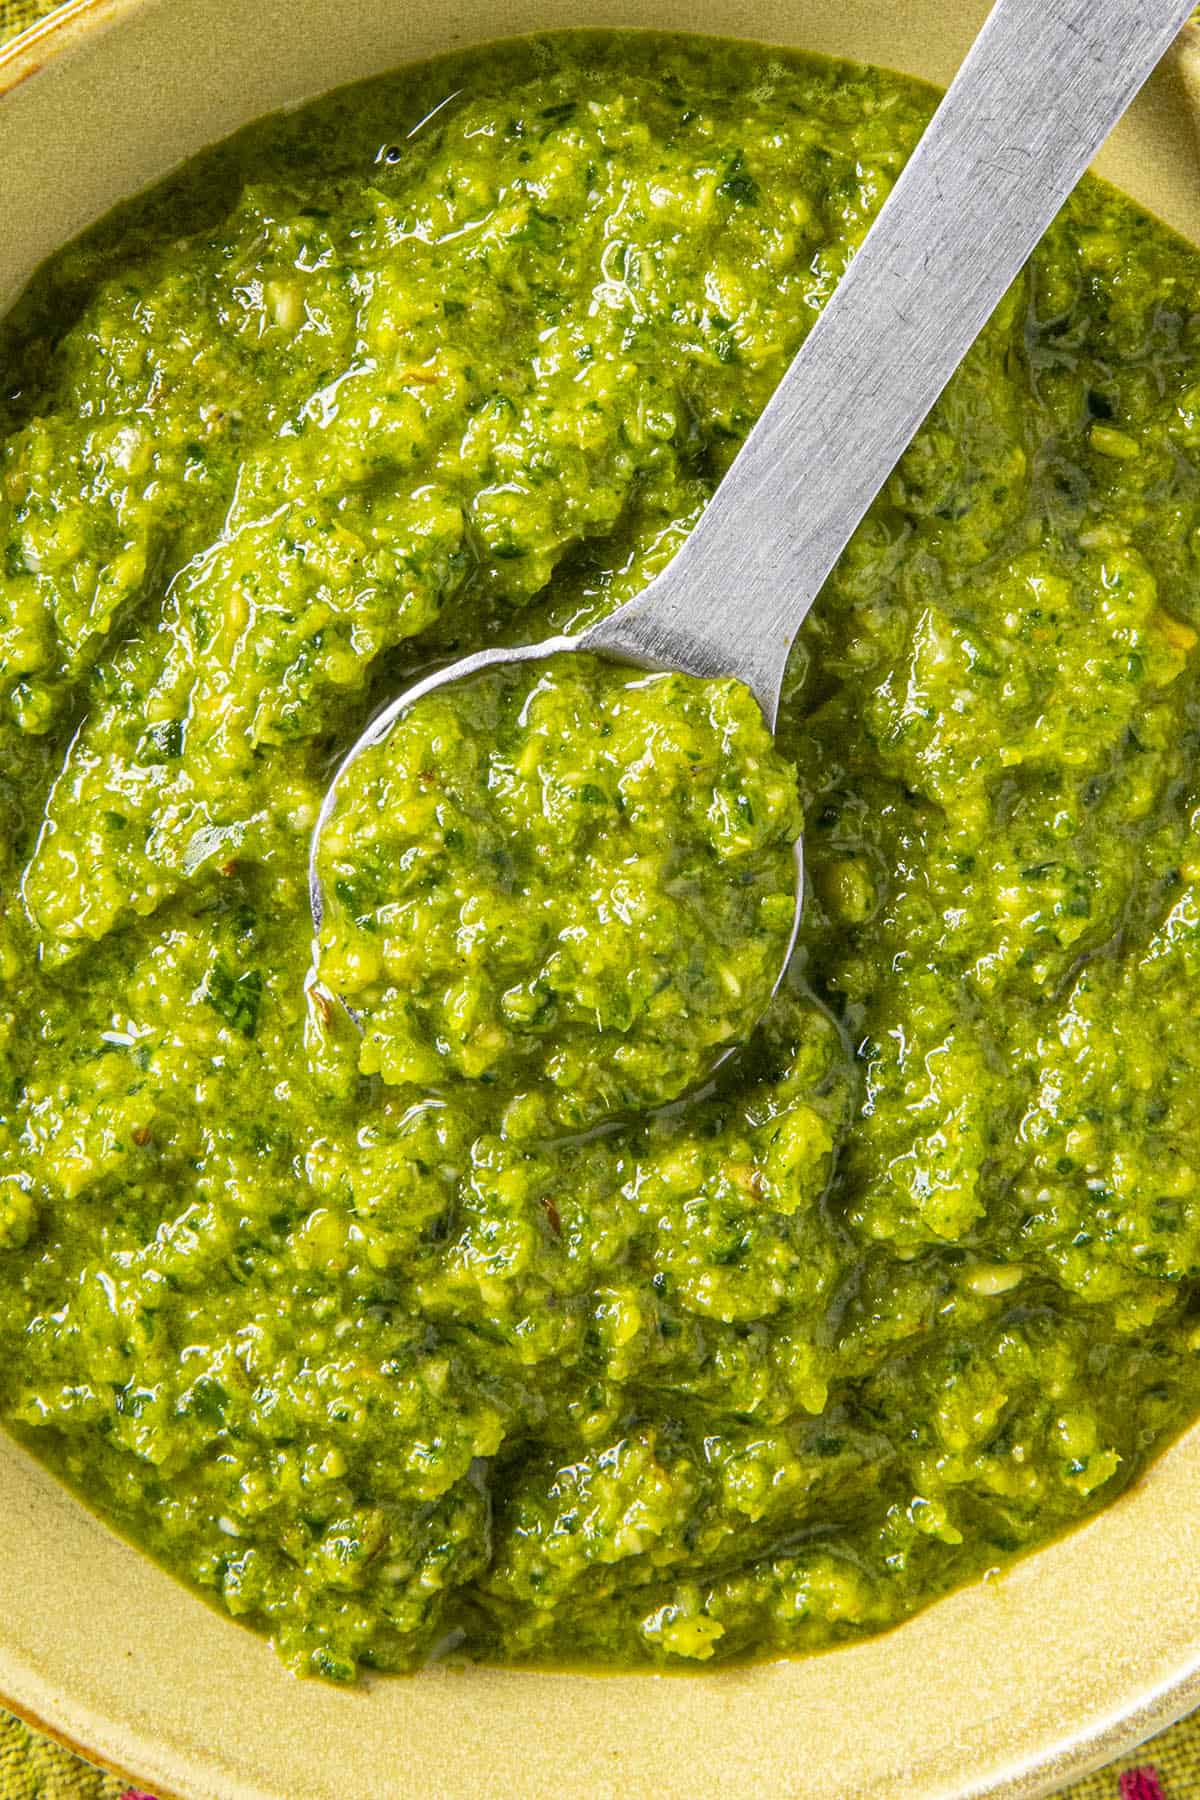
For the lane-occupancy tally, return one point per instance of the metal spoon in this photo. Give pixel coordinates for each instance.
(1044, 83)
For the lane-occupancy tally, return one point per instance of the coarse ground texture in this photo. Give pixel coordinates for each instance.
(477, 1360)
(30, 1766)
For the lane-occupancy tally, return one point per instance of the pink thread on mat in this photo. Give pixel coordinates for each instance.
(1136, 1784)
(137, 1794)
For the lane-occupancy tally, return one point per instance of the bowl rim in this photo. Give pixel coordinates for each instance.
(45, 38)
(1024, 1775)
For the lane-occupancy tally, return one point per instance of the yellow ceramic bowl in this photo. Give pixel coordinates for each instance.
(1007, 1688)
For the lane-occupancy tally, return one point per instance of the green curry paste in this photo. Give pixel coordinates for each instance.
(396, 1369)
(573, 880)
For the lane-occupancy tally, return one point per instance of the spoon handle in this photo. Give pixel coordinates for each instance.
(1041, 88)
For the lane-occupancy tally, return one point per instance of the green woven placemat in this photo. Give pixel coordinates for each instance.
(34, 1768)
(16, 14)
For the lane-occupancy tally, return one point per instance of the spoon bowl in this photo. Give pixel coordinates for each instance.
(465, 669)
